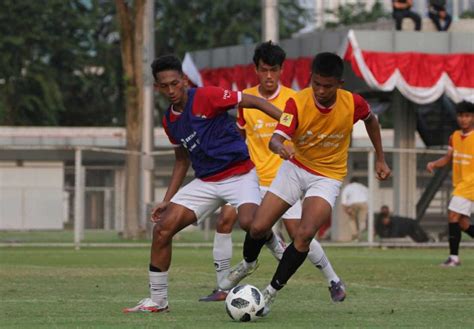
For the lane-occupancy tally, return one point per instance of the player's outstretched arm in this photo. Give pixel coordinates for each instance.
(250, 102)
(180, 169)
(441, 162)
(373, 129)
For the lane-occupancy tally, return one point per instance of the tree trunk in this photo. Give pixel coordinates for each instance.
(131, 43)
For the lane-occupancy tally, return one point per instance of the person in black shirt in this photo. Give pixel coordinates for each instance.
(437, 13)
(388, 226)
(401, 10)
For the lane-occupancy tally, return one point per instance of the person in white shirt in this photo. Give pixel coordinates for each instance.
(354, 201)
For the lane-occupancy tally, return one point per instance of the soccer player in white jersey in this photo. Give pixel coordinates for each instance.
(258, 129)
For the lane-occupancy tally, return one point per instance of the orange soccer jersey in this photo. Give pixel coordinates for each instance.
(463, 164)
(259, 128)
(322, 135)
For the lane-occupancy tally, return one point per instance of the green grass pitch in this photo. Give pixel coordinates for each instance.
(63, 288)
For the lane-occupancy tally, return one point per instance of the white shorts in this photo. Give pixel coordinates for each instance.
(294, 212)
(461, 205)
(203, 198)
(293, 183)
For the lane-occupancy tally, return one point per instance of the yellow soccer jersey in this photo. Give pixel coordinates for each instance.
(463, 164)
(322, 135)
(259, 129)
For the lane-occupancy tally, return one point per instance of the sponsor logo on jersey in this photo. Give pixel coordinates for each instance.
(286, 119)
(226, 95)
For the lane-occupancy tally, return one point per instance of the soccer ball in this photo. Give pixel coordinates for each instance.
(244, 303)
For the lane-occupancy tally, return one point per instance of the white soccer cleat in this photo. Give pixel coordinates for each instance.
(268, 298)
(236, 274)
(146, 305)
(276, 248)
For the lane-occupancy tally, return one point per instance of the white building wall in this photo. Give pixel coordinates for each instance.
(31, 195)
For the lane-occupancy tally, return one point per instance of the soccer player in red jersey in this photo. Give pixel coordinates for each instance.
(204, 136)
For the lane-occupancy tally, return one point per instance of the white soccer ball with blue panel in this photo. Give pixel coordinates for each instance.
(244, 303)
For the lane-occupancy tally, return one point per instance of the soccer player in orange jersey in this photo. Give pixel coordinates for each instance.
(461, 153)
(319, 121)
(258, 129)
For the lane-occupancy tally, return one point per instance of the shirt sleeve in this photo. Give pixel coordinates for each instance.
(450, 143)
(165, 127)
(361, 108)
(240, 118)
(212, 101)
(288, 120)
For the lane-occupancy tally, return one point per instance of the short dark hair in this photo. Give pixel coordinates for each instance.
(328, 65)
(166, 63)
(269, 53)
(465, 107)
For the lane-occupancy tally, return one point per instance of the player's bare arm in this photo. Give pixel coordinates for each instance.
(250, 102)
(277, 145)
(180, 169)
(441, 162)
(373, 129)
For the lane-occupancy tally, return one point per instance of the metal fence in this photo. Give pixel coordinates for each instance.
(93, 193)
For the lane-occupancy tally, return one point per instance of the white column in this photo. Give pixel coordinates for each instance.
(455, 12)
(147, 162)
(78, 199)
(119, 200)
(370, 202)
(270, 30)
(107, 209)
(404, 166)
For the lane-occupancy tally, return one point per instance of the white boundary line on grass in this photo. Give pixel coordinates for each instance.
(238, 245)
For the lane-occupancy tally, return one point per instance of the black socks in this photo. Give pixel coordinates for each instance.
(252, 248)
(291, 261)
(154, 269)
(454, 238)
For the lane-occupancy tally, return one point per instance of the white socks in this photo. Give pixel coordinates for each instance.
(159, 288)
(317, 256)
(222, 253)
(276, 246)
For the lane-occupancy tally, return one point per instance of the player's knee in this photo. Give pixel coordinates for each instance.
(453, 217)
(304, 236)
(245, 223)
(224, 225)
(161, 234)
(258, 231)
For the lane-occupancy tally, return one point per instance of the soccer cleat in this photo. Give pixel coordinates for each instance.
(278, 250)
(450, 263)
(268, 298)
(146, 305)
(337, 291)
(236, 275)
(217, 295)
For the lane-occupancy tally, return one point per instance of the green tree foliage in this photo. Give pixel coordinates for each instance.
(60, 60)
(467, 14)
(186, 25)
(355, 13)
(58, 65)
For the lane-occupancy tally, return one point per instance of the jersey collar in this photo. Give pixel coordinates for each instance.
(322, 108)
(272, 97)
